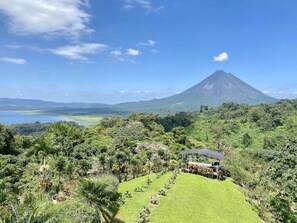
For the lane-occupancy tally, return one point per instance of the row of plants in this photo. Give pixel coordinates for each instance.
(147, 210)
(127, 194)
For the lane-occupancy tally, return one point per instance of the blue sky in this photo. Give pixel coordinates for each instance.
(114, 51)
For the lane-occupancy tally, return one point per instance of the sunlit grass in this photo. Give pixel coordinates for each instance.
(129, 212)
(195, 199)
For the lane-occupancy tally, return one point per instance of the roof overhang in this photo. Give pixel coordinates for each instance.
(206, 152)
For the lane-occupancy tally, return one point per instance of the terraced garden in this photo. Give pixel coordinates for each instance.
(191, 198)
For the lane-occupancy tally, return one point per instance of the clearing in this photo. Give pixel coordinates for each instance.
(192, 199)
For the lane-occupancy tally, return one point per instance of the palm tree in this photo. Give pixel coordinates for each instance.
(44, 170)
(135, 166)
(149, 166)
(43, 147)
(101, 193)
(34, 209)
(60, 166)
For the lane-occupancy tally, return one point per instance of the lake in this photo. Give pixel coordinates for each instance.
(15, 117)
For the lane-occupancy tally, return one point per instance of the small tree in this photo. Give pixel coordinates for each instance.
(247, 140)
(84, 165)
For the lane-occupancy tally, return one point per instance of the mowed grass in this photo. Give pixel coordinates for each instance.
(84, 119)
(130, 210)
(195, 199)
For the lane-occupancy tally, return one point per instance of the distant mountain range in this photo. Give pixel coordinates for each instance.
(39, 104)
(218, 88)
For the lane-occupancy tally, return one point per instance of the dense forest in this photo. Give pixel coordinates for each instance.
(63, 172)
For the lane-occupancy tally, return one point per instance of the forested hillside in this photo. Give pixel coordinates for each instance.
(71, 173)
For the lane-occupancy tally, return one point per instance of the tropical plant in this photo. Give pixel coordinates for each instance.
(154, 200)
(33, 209)
(100, 193)
(162, 192)
(144, 215)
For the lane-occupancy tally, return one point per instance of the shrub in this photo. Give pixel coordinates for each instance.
(144, 215)
(154, 200)
(167, 186)
(139, 189)
(127, 194)
(148, 181)
(162, 192)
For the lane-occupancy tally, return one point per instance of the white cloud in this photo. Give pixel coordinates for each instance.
(266, 92)
(23, 46)
(221, 57)
(126, 59)
(122, 92)
(131, 4)
(79, 52)
(13, 46)
(280, 92)
(116, 53)
(132, 52)
(44, 17)
(147, 43)
(127, 55)
(294, 93)
(154, 51)
(13, 60)
(146, 5)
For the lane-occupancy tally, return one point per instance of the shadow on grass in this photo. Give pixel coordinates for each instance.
(211, 178)
(116, 220)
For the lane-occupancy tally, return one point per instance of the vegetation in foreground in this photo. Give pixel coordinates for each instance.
(48, 168)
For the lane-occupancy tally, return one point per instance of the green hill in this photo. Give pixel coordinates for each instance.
(192, 199)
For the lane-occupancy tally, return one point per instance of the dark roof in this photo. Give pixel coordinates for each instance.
(206, 152)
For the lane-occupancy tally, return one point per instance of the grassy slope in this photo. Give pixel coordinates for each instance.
(195, 199)
(129, 212)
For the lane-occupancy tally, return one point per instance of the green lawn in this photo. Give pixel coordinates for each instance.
(84, 119)
(195, 199)
(129, 212)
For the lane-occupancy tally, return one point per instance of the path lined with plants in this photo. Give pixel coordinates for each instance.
(198, 199)
(137, 194)
(154, 202)
(183, 198)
